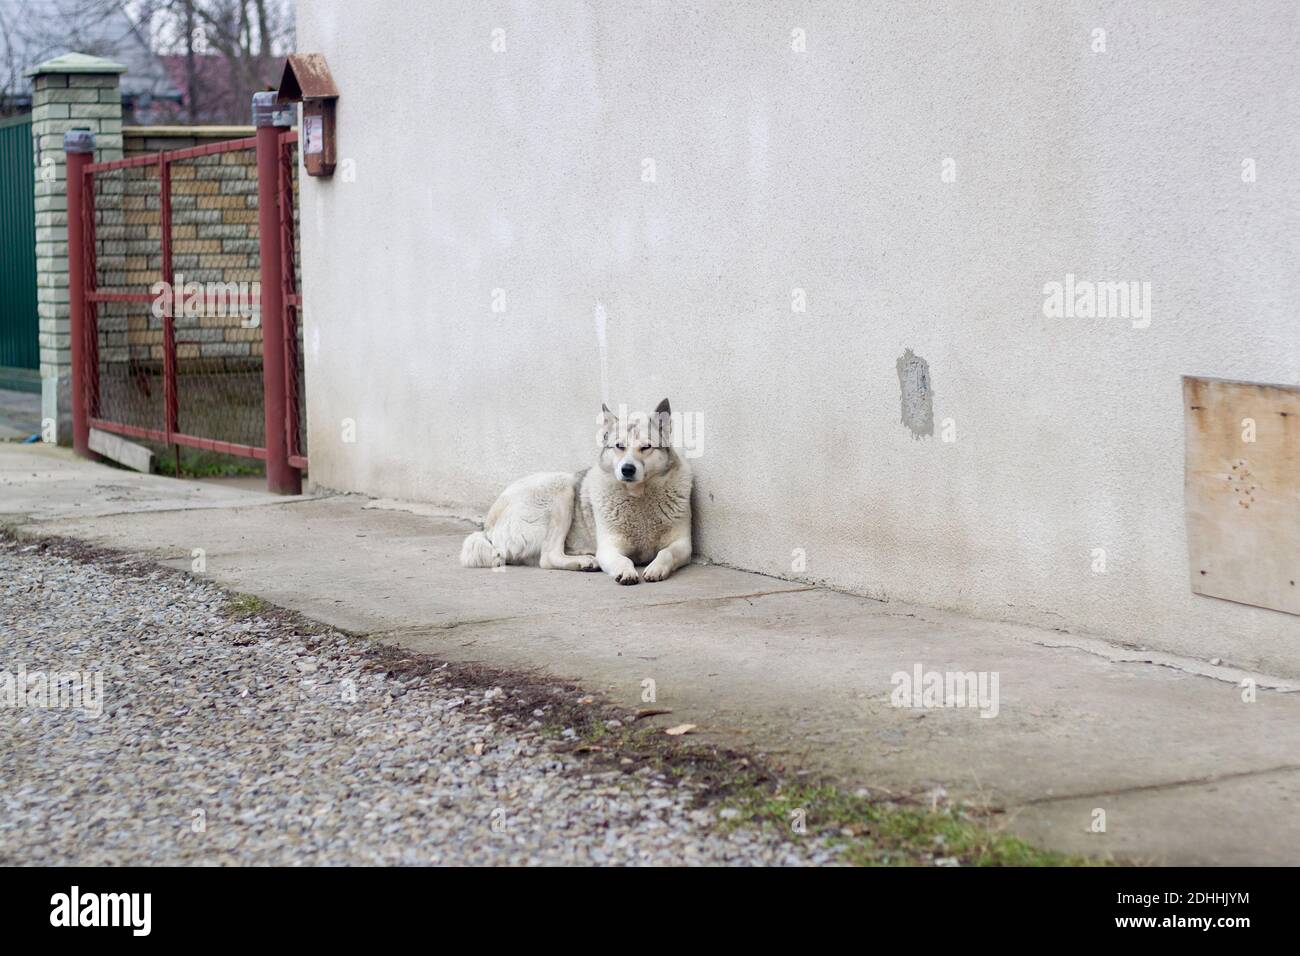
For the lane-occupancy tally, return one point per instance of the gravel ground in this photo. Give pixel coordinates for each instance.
(255, 741)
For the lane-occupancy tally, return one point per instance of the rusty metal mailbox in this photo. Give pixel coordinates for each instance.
(307, 79)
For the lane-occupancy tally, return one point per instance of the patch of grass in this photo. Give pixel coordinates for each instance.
(872, 830)
(876, 832)
(200, 463)
(231, 467)
(246, 605)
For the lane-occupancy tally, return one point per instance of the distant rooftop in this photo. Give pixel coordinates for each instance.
(36, 31)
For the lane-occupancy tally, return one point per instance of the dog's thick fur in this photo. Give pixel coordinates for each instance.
(633, 508)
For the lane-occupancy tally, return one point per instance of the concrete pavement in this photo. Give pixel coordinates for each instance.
(1185, 769)
(20, 414)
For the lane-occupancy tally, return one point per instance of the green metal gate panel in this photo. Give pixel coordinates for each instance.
(18, 319)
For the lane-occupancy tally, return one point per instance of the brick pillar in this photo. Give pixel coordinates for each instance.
(73, 91)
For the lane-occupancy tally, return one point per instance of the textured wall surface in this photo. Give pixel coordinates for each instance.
(64, 97)
(464, 170)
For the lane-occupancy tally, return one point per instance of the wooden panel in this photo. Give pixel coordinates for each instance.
(1242, 497)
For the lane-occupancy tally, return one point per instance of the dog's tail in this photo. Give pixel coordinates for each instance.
(479, 552)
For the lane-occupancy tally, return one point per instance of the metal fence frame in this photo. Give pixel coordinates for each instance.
(280, 301)
(19, 320)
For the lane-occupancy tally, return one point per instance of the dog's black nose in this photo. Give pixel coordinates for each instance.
(628, 470)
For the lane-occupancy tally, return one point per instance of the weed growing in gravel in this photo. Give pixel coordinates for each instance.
(245, 605)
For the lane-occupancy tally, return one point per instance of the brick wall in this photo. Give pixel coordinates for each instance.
(214, 238)
(73, 91)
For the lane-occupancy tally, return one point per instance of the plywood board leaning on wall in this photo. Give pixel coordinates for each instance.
(1242, 491)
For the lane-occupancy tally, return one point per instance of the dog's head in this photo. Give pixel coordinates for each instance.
(637, 446)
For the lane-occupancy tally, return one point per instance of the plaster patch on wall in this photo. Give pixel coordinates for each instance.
(914, 382)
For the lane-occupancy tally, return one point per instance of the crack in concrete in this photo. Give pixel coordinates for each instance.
(544, 615)
(197, 506)
(728, 597)
(1154, 787)
(446, 626)
(1227, 675)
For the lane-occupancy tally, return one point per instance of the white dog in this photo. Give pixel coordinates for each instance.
(634, 508)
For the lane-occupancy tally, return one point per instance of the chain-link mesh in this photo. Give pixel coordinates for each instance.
(128, 258)
(216, 334)
(300, 384)
(219, 342)
(294, 340)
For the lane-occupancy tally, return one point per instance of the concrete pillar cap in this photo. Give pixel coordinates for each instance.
(78, 141)
(267, 112)
(75, 63)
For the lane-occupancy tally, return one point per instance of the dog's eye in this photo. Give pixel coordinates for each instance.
(646, 448)
(621, 447)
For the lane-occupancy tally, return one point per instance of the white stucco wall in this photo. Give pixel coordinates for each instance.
(821, 170)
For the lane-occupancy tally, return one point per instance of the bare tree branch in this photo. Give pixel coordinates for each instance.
(227, 49)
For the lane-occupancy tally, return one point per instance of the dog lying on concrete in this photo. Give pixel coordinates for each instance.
(633, 508)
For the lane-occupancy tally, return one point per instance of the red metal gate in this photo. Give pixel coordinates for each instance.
(210, 388)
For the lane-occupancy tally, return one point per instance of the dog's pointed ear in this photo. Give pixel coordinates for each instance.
(609, 424)
(662, 428)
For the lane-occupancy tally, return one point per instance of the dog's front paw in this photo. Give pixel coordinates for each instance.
(628, 576)
(588, 562)
(657, 570)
